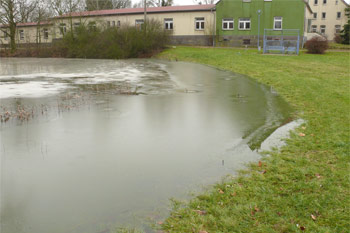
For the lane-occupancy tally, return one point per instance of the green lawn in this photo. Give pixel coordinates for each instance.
(305, 186)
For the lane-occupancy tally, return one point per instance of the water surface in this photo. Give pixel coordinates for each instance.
(87, 145)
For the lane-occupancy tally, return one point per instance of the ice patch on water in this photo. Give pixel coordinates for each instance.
(29, 89)
(36, 79)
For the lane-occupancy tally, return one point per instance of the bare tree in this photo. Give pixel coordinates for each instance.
(26, 9)
(13, 12)
(205, 2)
(61, 7)
(154, 3)
(92, 5)
(117, 4)
(41, 14)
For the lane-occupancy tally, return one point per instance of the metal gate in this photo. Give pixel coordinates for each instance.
(286, 41)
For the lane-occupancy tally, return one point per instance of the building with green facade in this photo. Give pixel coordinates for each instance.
(237, 21)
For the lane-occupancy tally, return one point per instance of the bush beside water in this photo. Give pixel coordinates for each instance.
(111, 43)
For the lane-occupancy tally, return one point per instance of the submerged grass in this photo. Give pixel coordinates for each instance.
(303, 187)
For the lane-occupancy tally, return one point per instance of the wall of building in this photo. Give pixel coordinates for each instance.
(331, 8)
(291, 11)
(184, 31)
(32, 34)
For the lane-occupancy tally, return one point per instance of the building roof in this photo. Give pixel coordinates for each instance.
(150, 10)
(28, 24)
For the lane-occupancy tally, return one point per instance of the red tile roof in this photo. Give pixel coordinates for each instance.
(28, 24)
(165, 9)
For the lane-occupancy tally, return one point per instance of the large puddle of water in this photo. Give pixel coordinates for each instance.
(88, 145)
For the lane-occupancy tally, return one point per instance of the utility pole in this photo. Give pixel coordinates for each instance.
(259, 13)
(145, 11)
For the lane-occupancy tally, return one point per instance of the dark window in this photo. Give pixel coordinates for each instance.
(316, 2)
(246, 41)
(46, 33)
(324, 1)
(315, 15)
(338, 15)
(323, 15)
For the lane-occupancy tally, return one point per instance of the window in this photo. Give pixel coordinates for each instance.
(113, 23)
(118, 23)
(108, 23)
(244, 24)
(336, 2)
(314, 28)
(324, 1)
(323, 29)
(139, 24)
(46, 33)
(338, 15)
(168, 24)
(323, 15)
(63, 28)
(5, 35)
(277, 23)
(246, 41)
(315, 2)
(199, 23)
(21, 34)
(227, 24)
(315, 15)
(76, 26)
(337, 28)
(92, 26)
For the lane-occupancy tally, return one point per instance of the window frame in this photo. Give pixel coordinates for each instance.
(339, 15)
(169, 24)
(244, 21)
(323, 15)
(139, 24)
(323, 27)
(46, 33)
(228, 22)
(63, 28)
(21, 34)
(336, 28)
(199, 21)
(314, 27)
(275, 21)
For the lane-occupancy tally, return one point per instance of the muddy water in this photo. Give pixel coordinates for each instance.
(88, 145)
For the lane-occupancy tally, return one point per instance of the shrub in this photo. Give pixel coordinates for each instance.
(114, 43)
(316, 45)
(337, 38)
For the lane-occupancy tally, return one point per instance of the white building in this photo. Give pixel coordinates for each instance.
(328, 17)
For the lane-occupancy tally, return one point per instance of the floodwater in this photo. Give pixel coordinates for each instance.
(89, 145)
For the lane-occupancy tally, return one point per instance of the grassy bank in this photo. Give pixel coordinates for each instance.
(305, 186)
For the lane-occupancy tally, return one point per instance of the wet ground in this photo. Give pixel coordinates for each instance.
(88, 145)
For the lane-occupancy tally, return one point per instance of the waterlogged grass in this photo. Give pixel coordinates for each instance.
(305, 186)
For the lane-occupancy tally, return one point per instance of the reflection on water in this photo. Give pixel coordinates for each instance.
(110, 142)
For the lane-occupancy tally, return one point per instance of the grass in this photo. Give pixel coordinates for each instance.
(304, 186)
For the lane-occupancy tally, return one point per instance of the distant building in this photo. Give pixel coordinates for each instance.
(192, 25)
(328, 17)
(237, 21)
